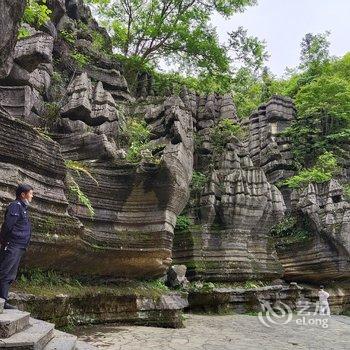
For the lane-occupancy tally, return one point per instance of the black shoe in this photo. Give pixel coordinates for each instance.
(10, 307)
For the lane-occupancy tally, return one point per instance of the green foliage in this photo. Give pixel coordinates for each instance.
(79, 168)
(39, 277)
(223, 132)
(291, 229)
(36, 13)
(176, 30)
(325, 168)
(73, 186)
(52, 110)
(346, 189)
(314, 49)
(136, 137)
(23, 33)
(198, 181)
(250, 50)
(98, 41)
(183, 222)
(69, 37)
(323, 122)
(80, 59)
(82, 198)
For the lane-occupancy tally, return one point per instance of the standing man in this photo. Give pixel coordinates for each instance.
(14, 239)
(323, 299)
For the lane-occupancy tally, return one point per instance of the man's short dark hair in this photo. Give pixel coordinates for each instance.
(22, 188)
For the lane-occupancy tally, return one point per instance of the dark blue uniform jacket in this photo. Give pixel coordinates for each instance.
(17, 224)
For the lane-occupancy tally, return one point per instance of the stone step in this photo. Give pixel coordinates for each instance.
(80, 345)
(34, 337)
(13, 321)
(61, 341)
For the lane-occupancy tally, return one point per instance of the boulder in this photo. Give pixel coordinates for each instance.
(176, 276)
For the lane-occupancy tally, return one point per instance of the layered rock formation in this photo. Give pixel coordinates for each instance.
(135, 205)
(11, 12)
(233, 212)
(325, 253)
(65, 108)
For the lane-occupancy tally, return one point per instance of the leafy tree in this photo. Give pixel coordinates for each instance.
(323, 122)
(325, 168)
(176, 30)
(314, 49)
(248, 49)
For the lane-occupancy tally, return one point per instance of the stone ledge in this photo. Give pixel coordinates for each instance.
(93, 308)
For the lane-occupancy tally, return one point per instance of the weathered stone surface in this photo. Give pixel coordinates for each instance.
(79, 95)
(176, 276)
(231, 215)
(245, 300)
(165, 310)
(93, 105)
(135, 205)
(12, 321)
(33, 50)
(267, 149)
(325, 254)
(17, 101)
(112, 80)
(11, 12)
(209, 332)
(58, 8)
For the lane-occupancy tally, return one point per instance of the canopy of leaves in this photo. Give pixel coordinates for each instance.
(177, 31)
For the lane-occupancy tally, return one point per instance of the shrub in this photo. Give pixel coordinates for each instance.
(198, 181)
(23, 33)
(81, 59)
(36, 13)
(137, 138)
(183, 222)
(69, 37)
(223, 132)
(325, 168)
(290, 230)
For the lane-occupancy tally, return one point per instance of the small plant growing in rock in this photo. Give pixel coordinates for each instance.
(36, 13)
(52, 110)
(223, 132)
(73, 186)
(82, 198)
(23, 32)
(198, 181)
(137, 138)
(79, 167)
(290, 230)
(69, 37)
(183, 223)
(80, 59)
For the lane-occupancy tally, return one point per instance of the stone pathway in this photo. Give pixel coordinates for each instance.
(227, 332)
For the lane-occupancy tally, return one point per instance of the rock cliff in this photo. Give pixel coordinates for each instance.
(65, 114)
